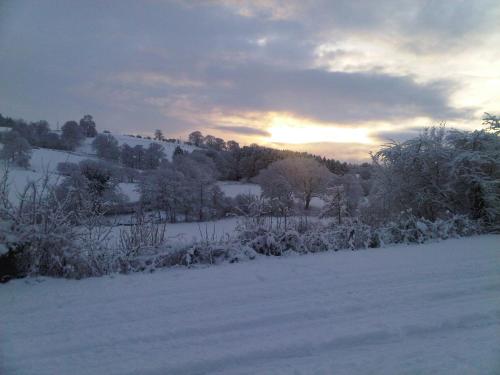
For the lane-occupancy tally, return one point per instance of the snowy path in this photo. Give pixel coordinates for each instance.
(403, 310)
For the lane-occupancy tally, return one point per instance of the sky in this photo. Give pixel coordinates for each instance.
(333, 77)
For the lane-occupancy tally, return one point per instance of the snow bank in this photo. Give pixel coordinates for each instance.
(431, 308)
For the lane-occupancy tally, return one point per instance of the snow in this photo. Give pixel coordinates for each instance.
(43, 159)
(317, 202)
(424, 309)
(186, 233)
(168, 147)
(232, 189)
(130, 190)
(192, 232)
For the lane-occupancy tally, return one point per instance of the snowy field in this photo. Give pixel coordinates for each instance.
(186, 233)
(429, 309)
(232, 189)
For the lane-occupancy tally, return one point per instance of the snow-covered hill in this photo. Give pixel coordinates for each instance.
(428, 309)
(46, 160)
(169, 148)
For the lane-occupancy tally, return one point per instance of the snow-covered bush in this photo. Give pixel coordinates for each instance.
(407, 228)
(40, 236)
(42, 239)
(88, 183)
(215, 253)
(438, 172)
(316, 241)
(142, 233)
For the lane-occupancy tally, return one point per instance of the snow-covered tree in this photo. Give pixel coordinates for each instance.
(492, 122)
(336, 204)
(438, 173)
(306, 177)
(163, 190)
(15, 149)
(153, 156)
(72, 134)
(196, 138)
(158, 135)
(200, 173)
(106, 147)
(89, 182)
(87, 124)
(277, 189)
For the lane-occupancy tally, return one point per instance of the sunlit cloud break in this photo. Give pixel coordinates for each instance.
(293, 131)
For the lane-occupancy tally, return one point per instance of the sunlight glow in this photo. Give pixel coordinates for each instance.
(294, 131)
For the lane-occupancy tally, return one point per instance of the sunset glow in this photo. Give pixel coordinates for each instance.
(292, 131)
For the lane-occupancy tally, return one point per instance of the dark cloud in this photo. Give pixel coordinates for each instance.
(243, 130)
(398, 135)
(332, 96)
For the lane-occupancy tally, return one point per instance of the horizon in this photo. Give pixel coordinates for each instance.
(331, 78)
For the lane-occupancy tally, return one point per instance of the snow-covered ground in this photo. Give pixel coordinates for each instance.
(192, 232)
(232, 189)
(42, 161)
(130, 190)
(429, 309)
(186, 233)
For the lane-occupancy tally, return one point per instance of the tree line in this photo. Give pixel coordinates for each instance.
(236, 163)
(23, 136)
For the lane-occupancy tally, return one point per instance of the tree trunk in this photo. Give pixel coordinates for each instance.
(307, 201)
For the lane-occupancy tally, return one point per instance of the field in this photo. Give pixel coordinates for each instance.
(424, 309)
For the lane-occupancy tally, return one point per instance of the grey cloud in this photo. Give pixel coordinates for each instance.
(58, 59)
(398, 135)
(244, 130)
(333, 96)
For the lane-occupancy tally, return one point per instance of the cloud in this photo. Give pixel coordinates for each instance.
(332, 96)
(179, 65)
(243, 130)
(349, 152)
(398, 135)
